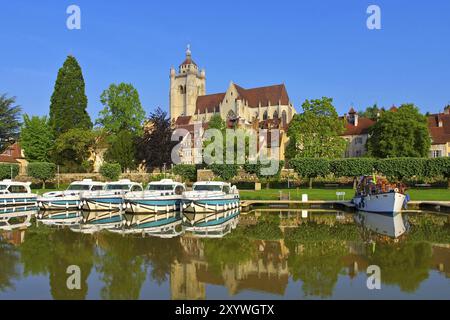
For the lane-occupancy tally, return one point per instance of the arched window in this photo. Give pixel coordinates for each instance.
(265, 116)
(182, 89)
(284, 118)
(275, 115)
(231, 115)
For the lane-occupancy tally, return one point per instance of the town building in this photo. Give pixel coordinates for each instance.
(356, 133)
(15, 155)
(439, 127)
(256, 108)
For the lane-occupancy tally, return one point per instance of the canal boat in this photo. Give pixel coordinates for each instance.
(70, 198)
(210, 197)
(159, 196)
(110, 198)
(392, 226)
(377, 195)
(94, 222)
(217, 225)
(163, 225)
(60, 218)
(14, 193)
(16, 220)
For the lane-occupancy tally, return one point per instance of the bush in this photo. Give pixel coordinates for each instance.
(399, 168)
(111, 171)
(5, 171)
(438, 167)
(186, 171)
(310, 168)
(255, 168)
(224, 171)
(42, 171)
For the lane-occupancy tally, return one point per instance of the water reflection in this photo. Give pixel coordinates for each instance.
(392, 225)
(266, 253)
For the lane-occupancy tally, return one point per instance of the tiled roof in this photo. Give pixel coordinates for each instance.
(439, 135)
(11, 154)
(183, 120)
(362, 128)
(210, 102)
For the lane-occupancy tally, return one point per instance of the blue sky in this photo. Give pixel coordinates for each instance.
(316, 47)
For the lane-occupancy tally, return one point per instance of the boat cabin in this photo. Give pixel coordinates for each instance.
(166, 185)
(86, 185)
(123, 185)
(214, 186)
(13, 187)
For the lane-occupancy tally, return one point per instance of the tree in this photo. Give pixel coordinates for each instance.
(352, 167)
(186, 171)
(316, 132)
(9, 121)
(73, 148)
(439, 167)
(122, 110)
(111, 171)
(310, 168)
(372, 113)
(155, 146)
(400, 133)
(122, 150)
(8, 171)
(399, 168)
(43, 171)
(69, 101)
(36, 138)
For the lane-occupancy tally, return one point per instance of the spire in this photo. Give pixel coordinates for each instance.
(188, 61)
(188, 51)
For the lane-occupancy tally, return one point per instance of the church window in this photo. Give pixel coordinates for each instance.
(275, 115)
(284, 117)
(265, 116)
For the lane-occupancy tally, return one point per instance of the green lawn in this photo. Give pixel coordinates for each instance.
(330, 194)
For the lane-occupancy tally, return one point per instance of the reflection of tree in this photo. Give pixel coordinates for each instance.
(267, 228)
(47, 251)
(431, 228)
(317, 265)
(405, 265)
(8, 266)
(313, 231)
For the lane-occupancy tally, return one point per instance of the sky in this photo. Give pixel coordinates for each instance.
(316, 48)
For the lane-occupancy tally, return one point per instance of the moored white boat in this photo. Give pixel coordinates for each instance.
(211, 197)
(207, 225)
(60, 218)
(15, 193)
(164, 225)
(162, 196)
(392, 226)
(110, 198)
(70, 198)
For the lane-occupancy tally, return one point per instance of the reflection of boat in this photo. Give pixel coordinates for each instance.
(217, 225)
(7, 210)
(14, 193)
(111, 198)
(70, 198)
(211, 196)
(60, 218)
(162, 196)
(196, 221)
(163, 225)
(376, 195)
(388, 225)
(16, 220)
(97, 221)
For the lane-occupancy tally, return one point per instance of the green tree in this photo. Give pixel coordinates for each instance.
(315, 133)
(8, 171)
(69, 101)
(438, 167)
(399, 168)
(154, 148)
(122, 150)
(36, 138)
(73, 148)
(43, 171)
(111, 171)
(122, 110)
(400, 133)
(9, 121)
(372, 113)
(310, 168)
(352, 167)
(186, 171)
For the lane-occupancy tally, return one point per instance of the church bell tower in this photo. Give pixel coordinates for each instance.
(185, 86)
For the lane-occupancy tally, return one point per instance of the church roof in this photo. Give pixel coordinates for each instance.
(187, 61)
(273, 94)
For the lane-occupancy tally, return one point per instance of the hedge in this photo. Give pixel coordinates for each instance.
(42, 171)
(5, 171)
(187, 171)
(399, 168)
(310, 168)
(352, 167)
(225, 171)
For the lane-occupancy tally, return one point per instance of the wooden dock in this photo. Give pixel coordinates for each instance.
(249, 205)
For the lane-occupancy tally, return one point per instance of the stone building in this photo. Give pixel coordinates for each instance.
(439, 127)
(356, 133)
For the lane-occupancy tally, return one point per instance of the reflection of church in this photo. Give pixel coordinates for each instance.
(258, 108)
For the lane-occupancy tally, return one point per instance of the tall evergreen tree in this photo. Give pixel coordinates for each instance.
(69, 101)
(9, 121)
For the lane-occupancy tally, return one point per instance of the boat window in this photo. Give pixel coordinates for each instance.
(78, 187)
(226, 189)
(136, 188)
(207, 187)
(96, 188)
(118, 187)
(17, 189)
(3, 187)
(160, 187)
(179, 190)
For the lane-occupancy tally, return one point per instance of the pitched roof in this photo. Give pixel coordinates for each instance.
(439, 135)
(11, 154)
(362, 128)
(183, 120)
(210, 102)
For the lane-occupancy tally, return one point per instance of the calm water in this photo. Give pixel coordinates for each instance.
(261, 255)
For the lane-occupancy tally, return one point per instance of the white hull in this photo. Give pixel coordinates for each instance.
(392, 226)
(18, 199)
(386, 203)
(59, 203)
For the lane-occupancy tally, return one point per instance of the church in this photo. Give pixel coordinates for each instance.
(255, 108)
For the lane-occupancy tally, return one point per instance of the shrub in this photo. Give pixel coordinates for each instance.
(7, 169)
(224, 171)
(256, 169)
(352, 167)
(186, 171)
(399, 168)
(310, 168)
(111, 171)
(42, 171)
(438, 167)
